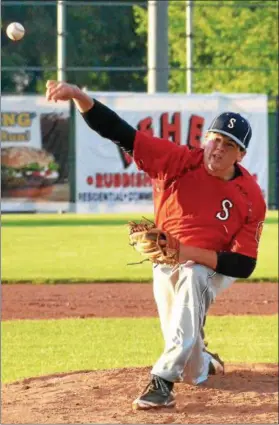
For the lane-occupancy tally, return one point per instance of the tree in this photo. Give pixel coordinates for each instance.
(235, 46)
(36, 49)
(96, 36)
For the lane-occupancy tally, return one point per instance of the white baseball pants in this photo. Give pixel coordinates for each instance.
(183, 296)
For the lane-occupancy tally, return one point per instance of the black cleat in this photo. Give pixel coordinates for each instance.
(216, 365)
(158, 393)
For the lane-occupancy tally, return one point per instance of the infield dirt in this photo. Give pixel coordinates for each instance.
(246, 394)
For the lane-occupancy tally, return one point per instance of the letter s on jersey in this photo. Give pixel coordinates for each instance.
(225, 213)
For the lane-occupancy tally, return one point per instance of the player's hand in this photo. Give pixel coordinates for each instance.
(56, 90)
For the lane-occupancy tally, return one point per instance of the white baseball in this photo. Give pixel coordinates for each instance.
(15, 31)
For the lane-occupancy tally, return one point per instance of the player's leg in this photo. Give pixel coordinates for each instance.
(159, 393)
(184, 355)
(192, 295)
(203, 332)
(164, 279)
(202, 362)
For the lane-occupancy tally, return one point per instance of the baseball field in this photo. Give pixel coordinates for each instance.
(80, 329)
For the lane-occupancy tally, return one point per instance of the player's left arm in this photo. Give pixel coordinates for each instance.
(246, 241)
(227, 263)
(241, 260)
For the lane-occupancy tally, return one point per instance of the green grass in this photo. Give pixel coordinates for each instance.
(41, 347)
(53, 220)
(72, 248)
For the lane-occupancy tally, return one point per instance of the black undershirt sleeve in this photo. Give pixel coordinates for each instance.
(109, 125)
(235, 265)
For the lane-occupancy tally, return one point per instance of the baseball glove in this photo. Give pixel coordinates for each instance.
(157, 246)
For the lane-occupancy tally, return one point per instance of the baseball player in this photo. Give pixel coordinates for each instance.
(214, 210)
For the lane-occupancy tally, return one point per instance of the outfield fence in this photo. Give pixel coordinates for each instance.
(85, 174)
(97, 30)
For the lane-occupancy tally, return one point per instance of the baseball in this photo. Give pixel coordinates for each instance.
(15, 31)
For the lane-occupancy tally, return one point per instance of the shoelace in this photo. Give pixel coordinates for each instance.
(157, 383)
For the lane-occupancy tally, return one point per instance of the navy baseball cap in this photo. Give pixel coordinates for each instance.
(234, 126)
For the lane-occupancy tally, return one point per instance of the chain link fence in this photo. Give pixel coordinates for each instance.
(106, 45)
(234, 50)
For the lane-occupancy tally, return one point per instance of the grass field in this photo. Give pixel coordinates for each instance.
(70, 248)
(41, 347)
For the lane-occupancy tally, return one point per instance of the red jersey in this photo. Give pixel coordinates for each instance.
(199, 209)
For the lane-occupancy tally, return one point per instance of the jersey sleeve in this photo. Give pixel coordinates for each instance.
(160, 158)
(246, 241)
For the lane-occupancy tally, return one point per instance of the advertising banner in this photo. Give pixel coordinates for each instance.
(34, 154)
(107, 179)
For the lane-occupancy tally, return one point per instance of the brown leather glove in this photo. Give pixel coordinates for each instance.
(156, 245)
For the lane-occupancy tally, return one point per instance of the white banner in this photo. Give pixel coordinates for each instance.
(107, 181)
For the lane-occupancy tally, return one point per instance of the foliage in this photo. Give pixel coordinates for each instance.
(96, 36)
(235, 48)
(36, 49)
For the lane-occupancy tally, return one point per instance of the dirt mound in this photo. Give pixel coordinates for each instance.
(23, 301)
(246, 394)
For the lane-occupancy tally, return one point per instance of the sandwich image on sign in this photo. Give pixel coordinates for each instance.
(27, 172)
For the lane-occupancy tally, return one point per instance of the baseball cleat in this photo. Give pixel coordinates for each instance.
(216, 365)
(157, 394)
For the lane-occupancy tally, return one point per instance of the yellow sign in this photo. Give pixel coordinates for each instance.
(23, 120)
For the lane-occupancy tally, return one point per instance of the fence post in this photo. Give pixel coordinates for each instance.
(189, 46)
(158, 60)
(72, 158)
(61, 40)
(276, 186)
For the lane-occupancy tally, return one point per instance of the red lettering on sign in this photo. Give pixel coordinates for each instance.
(125, 157)
(128, 159)
(145, 125)
(99, 180)
(171, 130)
(109, 180)
(117, 180)
(125, 180)
(196, 123)
(90, 180)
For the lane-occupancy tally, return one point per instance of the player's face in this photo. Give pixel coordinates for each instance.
(221, 152)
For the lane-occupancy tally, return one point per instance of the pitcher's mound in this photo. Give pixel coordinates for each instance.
(246, 394)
